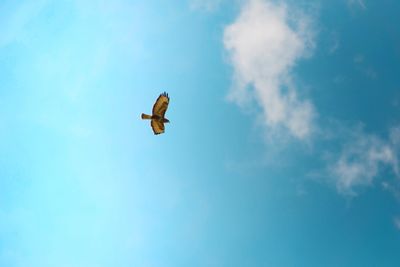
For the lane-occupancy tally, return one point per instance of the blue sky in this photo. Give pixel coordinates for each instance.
(283, 147)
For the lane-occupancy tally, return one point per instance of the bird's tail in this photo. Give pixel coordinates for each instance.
(146, 117)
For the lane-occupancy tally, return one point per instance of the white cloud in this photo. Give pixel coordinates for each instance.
(264, 44)
(362, 160)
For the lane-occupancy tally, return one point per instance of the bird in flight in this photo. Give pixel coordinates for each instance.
(158, 116)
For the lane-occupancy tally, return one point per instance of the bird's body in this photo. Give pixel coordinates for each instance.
(158, 115)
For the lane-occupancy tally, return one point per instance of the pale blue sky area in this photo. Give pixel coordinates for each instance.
(282, 151)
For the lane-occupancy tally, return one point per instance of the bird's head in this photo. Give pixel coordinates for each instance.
(166, 120)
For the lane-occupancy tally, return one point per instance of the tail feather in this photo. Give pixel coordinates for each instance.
(146, 117)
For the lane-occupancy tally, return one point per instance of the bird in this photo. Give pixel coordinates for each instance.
(158, 114)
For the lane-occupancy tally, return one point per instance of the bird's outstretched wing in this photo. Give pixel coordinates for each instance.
(161, 105)
(158, 127)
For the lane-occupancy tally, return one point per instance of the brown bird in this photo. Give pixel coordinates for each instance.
(158, 117)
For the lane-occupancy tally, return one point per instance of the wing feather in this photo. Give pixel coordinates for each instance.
(157, 126)
(161, 105)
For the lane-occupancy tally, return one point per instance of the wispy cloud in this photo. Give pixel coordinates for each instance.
(358, 59)
(335, 43)
(264, 44)
(397, 222)
(359, 3)
(362, 159)
(362, 65)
